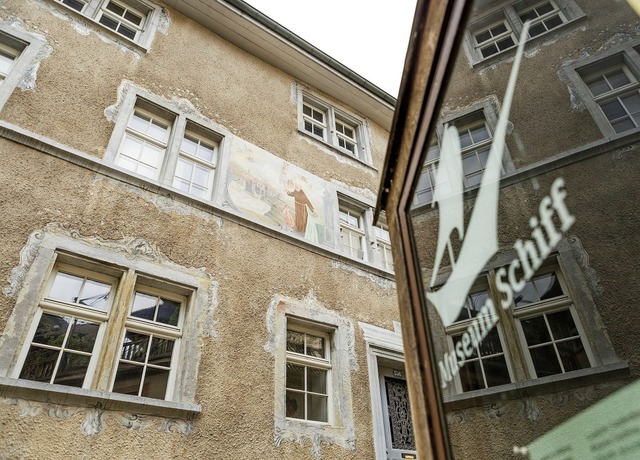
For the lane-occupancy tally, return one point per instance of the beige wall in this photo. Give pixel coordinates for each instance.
(235, 383)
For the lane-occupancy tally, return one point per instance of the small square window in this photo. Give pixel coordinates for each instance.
(333, 126)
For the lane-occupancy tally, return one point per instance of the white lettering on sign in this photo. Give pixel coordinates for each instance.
(480, 241)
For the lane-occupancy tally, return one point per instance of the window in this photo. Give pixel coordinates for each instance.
(616, 91)
(135, 20)
(313, 350)
(70, 332)
(18, 52)
(475, 143)
(551, 330)
(8, 54)
(333, 126)
(383, 245)
(307, 379)
(500, 30)
(485, 365)
(124, 20)
(167, 146)
(352, 232)
(544, 17)
(494, 39)
(541, 323)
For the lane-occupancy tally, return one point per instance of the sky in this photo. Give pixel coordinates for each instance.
(368, 36)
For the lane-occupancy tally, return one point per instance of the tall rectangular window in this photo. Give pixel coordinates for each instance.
(352, 232)
(544, 16)
(195, 167)
(307, 374)
(484, 363)
(549, 326)
(145, 142)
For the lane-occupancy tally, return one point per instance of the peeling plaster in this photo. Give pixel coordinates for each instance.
(379, 280)
(28, 80)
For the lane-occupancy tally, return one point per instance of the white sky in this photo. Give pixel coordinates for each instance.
(368, 36)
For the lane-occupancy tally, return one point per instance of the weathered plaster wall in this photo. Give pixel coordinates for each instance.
(235, 385)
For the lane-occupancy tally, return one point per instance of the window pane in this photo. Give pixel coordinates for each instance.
(548, 286)
(471, 376)
(107, 21)
(134, 347)
(52, 329)
(315, 346)
(75, 4)
(545, 361)
(483, 36)
(632, 103)
(156, 129)
(144, 306)
(500, 29)
(489, 50)
(624, 125)
(537, 29)
(474, 352)
(161, 351)
(573, 355)
(316, 380)
(295, 404)
(5, 63)
(168, 312)
(72, 369)
(82, 336)
(527, 296)
(553, 22)
(479, 134)
(201, 176)
(150, 155)
(295, 377)
(155, 383)
(66, 287)
(491, 343)
(535, 330)
(505, 43)
(127, 31)
(206, 152)
(496, 371)
(95, 294)
(39, 365)
(617, 78)
(317, 408)
(562, 325)
(599, 86)
(295, 342)
(115, 8)
(133, 18)
(128, 379)
(613, 110)
(476, 301)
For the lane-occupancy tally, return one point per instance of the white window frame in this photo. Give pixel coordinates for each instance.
(353, 231)
(25, 49)
(94, 10)
(543, 307)
(282, 312)
(383, 244)
(332, 135)
(307, 361)
(460, 327)
(181, 124)
(509, 13)
(112, 315)
(627, 57)
(115, 260)
(481, 112)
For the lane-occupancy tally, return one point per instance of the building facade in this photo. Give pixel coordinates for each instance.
(190, 266)
(524, 224)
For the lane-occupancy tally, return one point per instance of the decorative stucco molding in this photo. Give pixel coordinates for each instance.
(95, 419)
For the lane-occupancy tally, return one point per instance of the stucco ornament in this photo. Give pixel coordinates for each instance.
(95, 418)
(27, 255)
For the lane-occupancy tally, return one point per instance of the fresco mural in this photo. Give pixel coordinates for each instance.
(273, 192)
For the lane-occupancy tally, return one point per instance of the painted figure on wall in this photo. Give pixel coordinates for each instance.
(302, 206)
